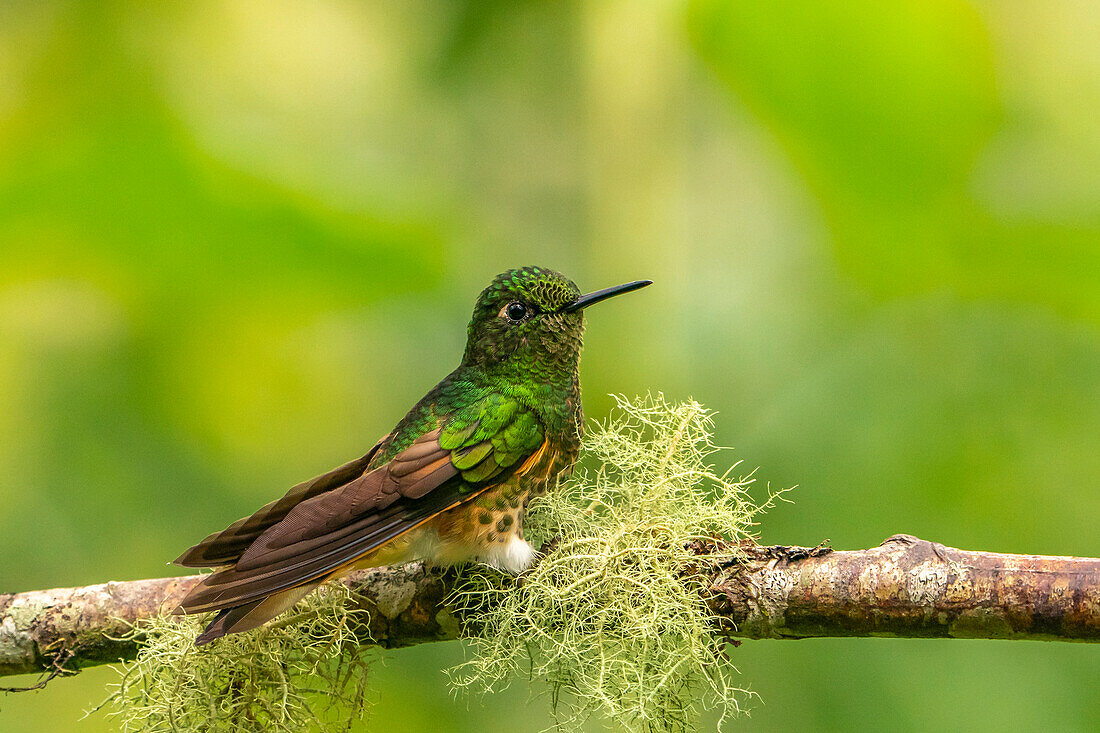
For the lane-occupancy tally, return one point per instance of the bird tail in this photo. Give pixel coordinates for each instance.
(250, 615)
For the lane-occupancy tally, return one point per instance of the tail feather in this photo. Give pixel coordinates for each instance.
(250, 615)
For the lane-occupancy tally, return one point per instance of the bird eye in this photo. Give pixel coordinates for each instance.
(515, 311)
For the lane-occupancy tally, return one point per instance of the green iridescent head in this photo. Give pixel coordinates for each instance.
(531, 320)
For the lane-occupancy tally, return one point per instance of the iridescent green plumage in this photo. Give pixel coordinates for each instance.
(448, 484)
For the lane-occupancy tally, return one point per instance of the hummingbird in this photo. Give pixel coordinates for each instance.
(449, 484)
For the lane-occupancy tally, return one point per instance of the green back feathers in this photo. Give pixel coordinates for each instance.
(489, 436)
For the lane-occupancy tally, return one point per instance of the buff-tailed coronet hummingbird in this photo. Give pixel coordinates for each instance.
(449, 484)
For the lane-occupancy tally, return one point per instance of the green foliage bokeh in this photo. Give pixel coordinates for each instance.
(239, 239)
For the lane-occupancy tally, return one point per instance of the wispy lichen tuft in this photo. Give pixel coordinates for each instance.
(305, 672)
(612, 618)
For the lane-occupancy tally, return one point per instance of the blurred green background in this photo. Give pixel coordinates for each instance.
(239, 239)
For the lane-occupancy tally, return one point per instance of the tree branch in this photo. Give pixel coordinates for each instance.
(906, 587)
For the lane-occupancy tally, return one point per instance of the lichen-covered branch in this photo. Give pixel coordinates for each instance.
(89, 626)
(904, 588)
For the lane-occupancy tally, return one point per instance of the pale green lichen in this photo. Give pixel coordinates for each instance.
(304, 672)
(612, 618)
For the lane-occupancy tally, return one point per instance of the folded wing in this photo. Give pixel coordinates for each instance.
(320, 535)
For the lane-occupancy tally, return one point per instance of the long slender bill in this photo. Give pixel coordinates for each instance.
(586, 300)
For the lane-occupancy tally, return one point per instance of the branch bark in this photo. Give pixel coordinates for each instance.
(912, 588)
(906, 587)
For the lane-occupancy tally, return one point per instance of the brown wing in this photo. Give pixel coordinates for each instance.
(227, 546)
(331, 530)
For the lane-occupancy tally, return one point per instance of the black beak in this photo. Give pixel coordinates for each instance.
(586, 300)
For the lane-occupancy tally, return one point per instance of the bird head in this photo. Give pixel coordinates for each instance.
(530, 321)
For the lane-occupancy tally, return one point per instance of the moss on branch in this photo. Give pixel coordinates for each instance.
(652, 569)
